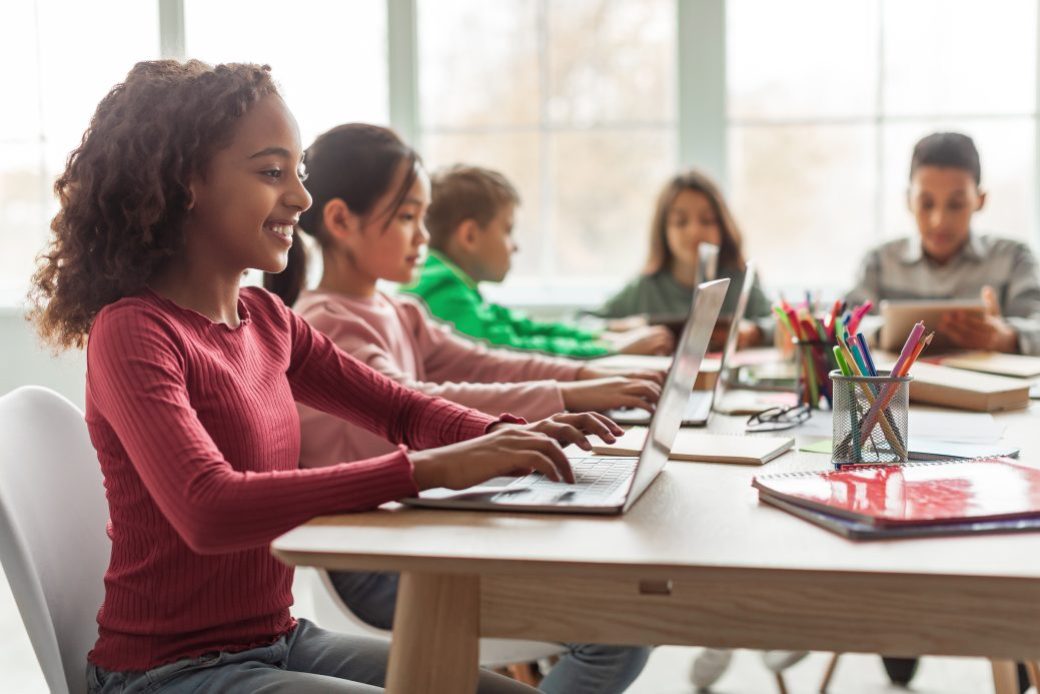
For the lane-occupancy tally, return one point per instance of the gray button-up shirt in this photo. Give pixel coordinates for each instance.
(900, 270)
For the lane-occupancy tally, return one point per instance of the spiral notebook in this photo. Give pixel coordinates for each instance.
(855, 530)
(915, 494)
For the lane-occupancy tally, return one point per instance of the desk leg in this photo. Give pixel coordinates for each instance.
(434, 647)
(1005, 677)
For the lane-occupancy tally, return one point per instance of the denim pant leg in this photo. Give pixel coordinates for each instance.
(319, 651)
(371, 596)
(262, 670)
(589, 668)
(310, 661)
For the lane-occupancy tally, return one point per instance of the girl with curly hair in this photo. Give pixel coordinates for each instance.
(188, 176)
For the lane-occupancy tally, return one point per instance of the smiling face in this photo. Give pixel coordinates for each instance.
(392, 242)
(244, 207)
(942, 200)
(691, 220)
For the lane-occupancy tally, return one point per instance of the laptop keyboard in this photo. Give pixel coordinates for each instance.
(595, 479)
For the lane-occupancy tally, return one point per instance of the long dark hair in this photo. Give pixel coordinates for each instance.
(659, 256)
(124, 194)
(355, 163)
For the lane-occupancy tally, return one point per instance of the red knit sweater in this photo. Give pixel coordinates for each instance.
(197, 433)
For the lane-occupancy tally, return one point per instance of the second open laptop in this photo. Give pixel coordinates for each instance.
(699, 406)
(605, 485)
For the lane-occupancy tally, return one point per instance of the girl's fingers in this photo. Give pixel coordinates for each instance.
(638, 404)
(557, 459)
(594, 423)
(536, 462)
(649, 376)
(565, 433)
(645, 390)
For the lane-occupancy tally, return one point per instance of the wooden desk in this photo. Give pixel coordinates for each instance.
(697, 561)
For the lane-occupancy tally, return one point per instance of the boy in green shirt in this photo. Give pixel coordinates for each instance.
(470, 221)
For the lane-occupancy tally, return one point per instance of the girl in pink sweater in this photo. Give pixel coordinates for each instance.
(188, 176)
(370, 195)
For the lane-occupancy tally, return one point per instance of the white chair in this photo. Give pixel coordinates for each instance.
(53, 545)
(327, 609)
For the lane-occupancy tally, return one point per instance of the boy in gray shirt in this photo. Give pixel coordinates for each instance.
(947, 260)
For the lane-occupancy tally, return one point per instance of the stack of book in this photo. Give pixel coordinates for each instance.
(912, 500)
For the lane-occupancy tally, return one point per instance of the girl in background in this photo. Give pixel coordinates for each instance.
(690, 210)
(370, 197)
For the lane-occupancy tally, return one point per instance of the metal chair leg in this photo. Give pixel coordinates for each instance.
(829, 673)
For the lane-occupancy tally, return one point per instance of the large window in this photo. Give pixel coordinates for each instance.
(574, 102)
(55, 72)
(330, 61)
(578, 102)
(825, 102)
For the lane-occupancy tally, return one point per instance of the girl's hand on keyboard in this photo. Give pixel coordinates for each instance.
(508, 450)
(512, 449)
(610, 393)
(588, 373)
(574, 427)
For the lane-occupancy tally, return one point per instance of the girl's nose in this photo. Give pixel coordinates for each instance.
(298, 197)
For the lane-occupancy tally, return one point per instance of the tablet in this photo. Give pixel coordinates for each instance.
(899, 318)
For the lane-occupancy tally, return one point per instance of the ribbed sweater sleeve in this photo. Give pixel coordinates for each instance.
(136, 376)
(321, 372)
(137, 367)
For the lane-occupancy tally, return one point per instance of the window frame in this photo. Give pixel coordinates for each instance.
(703, 121)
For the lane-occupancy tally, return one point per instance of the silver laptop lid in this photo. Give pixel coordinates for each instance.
(734, 327)
(664, 425)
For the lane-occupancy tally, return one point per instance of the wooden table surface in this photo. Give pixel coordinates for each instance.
(696, 561)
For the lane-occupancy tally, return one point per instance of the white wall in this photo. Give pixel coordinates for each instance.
(25, 361)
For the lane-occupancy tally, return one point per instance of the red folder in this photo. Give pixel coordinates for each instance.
(915, 493)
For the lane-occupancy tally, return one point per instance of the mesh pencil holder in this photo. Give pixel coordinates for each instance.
(815, 360)
(871, 419)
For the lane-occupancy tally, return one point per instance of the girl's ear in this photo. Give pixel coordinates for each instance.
(339, 221)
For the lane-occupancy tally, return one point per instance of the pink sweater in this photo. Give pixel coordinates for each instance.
(198, 438)
(395, 336)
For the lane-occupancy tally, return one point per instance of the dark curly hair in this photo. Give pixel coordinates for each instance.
(125, 192)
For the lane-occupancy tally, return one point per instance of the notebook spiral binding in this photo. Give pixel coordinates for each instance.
(850, 468)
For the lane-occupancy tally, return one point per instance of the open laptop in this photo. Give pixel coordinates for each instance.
(699, 405)
(604, 484)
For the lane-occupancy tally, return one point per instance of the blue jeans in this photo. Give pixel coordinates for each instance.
(310, 660)
(584, 669)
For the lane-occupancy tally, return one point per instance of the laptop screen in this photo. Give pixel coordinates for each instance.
(668, 415)
(730, 347)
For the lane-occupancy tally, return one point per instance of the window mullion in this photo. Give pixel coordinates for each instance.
(701, 49)
(402, 39)
(171, 29)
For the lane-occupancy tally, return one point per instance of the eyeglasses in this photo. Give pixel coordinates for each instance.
(778, 418)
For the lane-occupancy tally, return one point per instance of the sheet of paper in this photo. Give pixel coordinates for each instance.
(963, 427)
(957, 427)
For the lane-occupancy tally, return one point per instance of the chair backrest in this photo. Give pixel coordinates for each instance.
(53, 544)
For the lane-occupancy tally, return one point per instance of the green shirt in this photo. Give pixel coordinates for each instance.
(452, 296)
